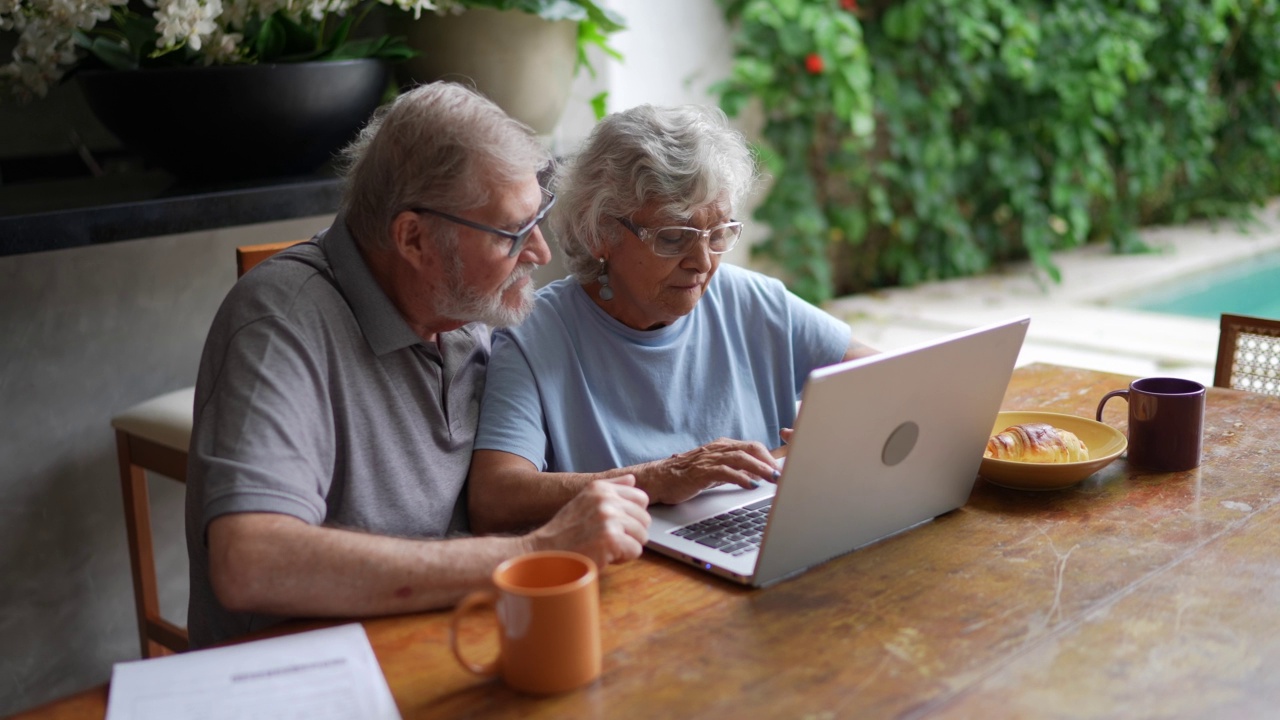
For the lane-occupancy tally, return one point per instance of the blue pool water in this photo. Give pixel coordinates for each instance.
(1250, 288)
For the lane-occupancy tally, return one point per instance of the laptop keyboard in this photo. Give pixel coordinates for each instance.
(735, 532)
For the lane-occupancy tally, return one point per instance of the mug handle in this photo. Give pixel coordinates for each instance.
(478, 599)
(1108, 396)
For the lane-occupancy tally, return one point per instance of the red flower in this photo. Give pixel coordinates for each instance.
(850, 5)
(813, 63)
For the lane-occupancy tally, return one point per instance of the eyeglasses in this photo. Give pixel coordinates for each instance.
(676, 241)
(517, 238)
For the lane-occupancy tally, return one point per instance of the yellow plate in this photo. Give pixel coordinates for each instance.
(1105, 444)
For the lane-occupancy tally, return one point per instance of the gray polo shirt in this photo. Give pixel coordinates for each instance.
(315, 399)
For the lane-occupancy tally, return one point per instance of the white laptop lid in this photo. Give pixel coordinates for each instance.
(881, 444)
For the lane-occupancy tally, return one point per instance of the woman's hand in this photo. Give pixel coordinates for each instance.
(685, 474)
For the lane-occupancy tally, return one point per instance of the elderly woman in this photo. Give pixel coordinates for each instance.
(652, 359)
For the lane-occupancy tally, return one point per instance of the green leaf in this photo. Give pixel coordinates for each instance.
(391, 49)
(299, 40)
(339, 36)
(904, 22)
(764, 14)
(788, 9)
(589, 33)
(608, 20)
(732, 101)
(269, 43)
(110, 52)
(139, 31)
(753, 72)
(599, 105)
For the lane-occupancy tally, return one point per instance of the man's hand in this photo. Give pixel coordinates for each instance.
(685, 474)
(607, 522)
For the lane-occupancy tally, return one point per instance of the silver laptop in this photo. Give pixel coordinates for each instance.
(881, 444)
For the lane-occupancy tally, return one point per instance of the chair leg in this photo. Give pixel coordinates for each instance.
(137, 518)
(155, 650)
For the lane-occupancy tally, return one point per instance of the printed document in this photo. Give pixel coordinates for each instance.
(319, 675)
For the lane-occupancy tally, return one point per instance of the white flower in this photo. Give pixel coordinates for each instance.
(9, 16)
(186, 22)
(417, 6)
(318, 9)
(223, 48)
(46, 47)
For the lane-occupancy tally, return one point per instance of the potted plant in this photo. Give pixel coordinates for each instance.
(211, 89)
(523, 54)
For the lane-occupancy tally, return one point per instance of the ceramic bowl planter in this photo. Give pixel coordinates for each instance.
(237, 122)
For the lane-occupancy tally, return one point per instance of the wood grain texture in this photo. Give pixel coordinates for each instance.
(1131, 594)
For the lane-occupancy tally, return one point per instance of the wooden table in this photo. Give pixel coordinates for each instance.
(1132, 594)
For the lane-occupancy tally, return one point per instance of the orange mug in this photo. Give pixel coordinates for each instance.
(548, 608)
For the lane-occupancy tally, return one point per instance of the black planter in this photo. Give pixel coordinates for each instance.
(237, 122)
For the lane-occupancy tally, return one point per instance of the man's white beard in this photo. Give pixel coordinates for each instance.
(457, 301)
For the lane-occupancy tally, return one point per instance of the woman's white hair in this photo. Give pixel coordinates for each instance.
(681, 158)
(443, 146)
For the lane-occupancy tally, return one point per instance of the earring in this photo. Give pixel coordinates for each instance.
(606, 292)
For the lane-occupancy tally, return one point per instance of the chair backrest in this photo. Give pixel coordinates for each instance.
(155, 435)
(1249, 354)
(248, 256)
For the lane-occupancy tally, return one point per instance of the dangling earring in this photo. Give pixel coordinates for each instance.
(606, 292)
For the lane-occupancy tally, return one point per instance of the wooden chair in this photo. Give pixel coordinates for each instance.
(1249, 354)
(154, 436)
(248, 256)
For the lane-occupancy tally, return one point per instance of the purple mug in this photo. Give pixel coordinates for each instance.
(1166, 422)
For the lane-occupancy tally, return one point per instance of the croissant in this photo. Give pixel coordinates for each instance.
(1036, 443)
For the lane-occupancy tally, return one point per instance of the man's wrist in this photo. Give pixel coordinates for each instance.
(531, 542)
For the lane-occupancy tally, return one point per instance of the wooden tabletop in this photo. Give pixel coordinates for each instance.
(1132, 594)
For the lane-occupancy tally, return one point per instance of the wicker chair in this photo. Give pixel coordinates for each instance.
(1249, 355)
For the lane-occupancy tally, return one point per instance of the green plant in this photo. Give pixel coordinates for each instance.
(928, 139)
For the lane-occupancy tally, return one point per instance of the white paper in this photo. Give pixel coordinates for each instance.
(317, 675)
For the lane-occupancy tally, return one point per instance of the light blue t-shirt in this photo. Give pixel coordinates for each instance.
(573, 390)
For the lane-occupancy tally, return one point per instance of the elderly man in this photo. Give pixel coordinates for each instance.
(338, 392)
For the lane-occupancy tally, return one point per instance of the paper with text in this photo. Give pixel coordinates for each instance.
(317, 675)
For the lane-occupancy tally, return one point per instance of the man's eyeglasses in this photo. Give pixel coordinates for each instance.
(516, 238)
(676, 241)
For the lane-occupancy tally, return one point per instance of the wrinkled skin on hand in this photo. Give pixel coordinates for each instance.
(685, 474)
(607, 521)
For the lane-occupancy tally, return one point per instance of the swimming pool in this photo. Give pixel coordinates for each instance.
(1250, 288)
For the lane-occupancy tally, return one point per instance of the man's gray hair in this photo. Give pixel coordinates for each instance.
(682, 158)
(443, 146)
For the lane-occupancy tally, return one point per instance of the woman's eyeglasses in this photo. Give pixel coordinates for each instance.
(675, 241)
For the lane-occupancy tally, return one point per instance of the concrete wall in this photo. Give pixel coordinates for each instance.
(86, 332)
